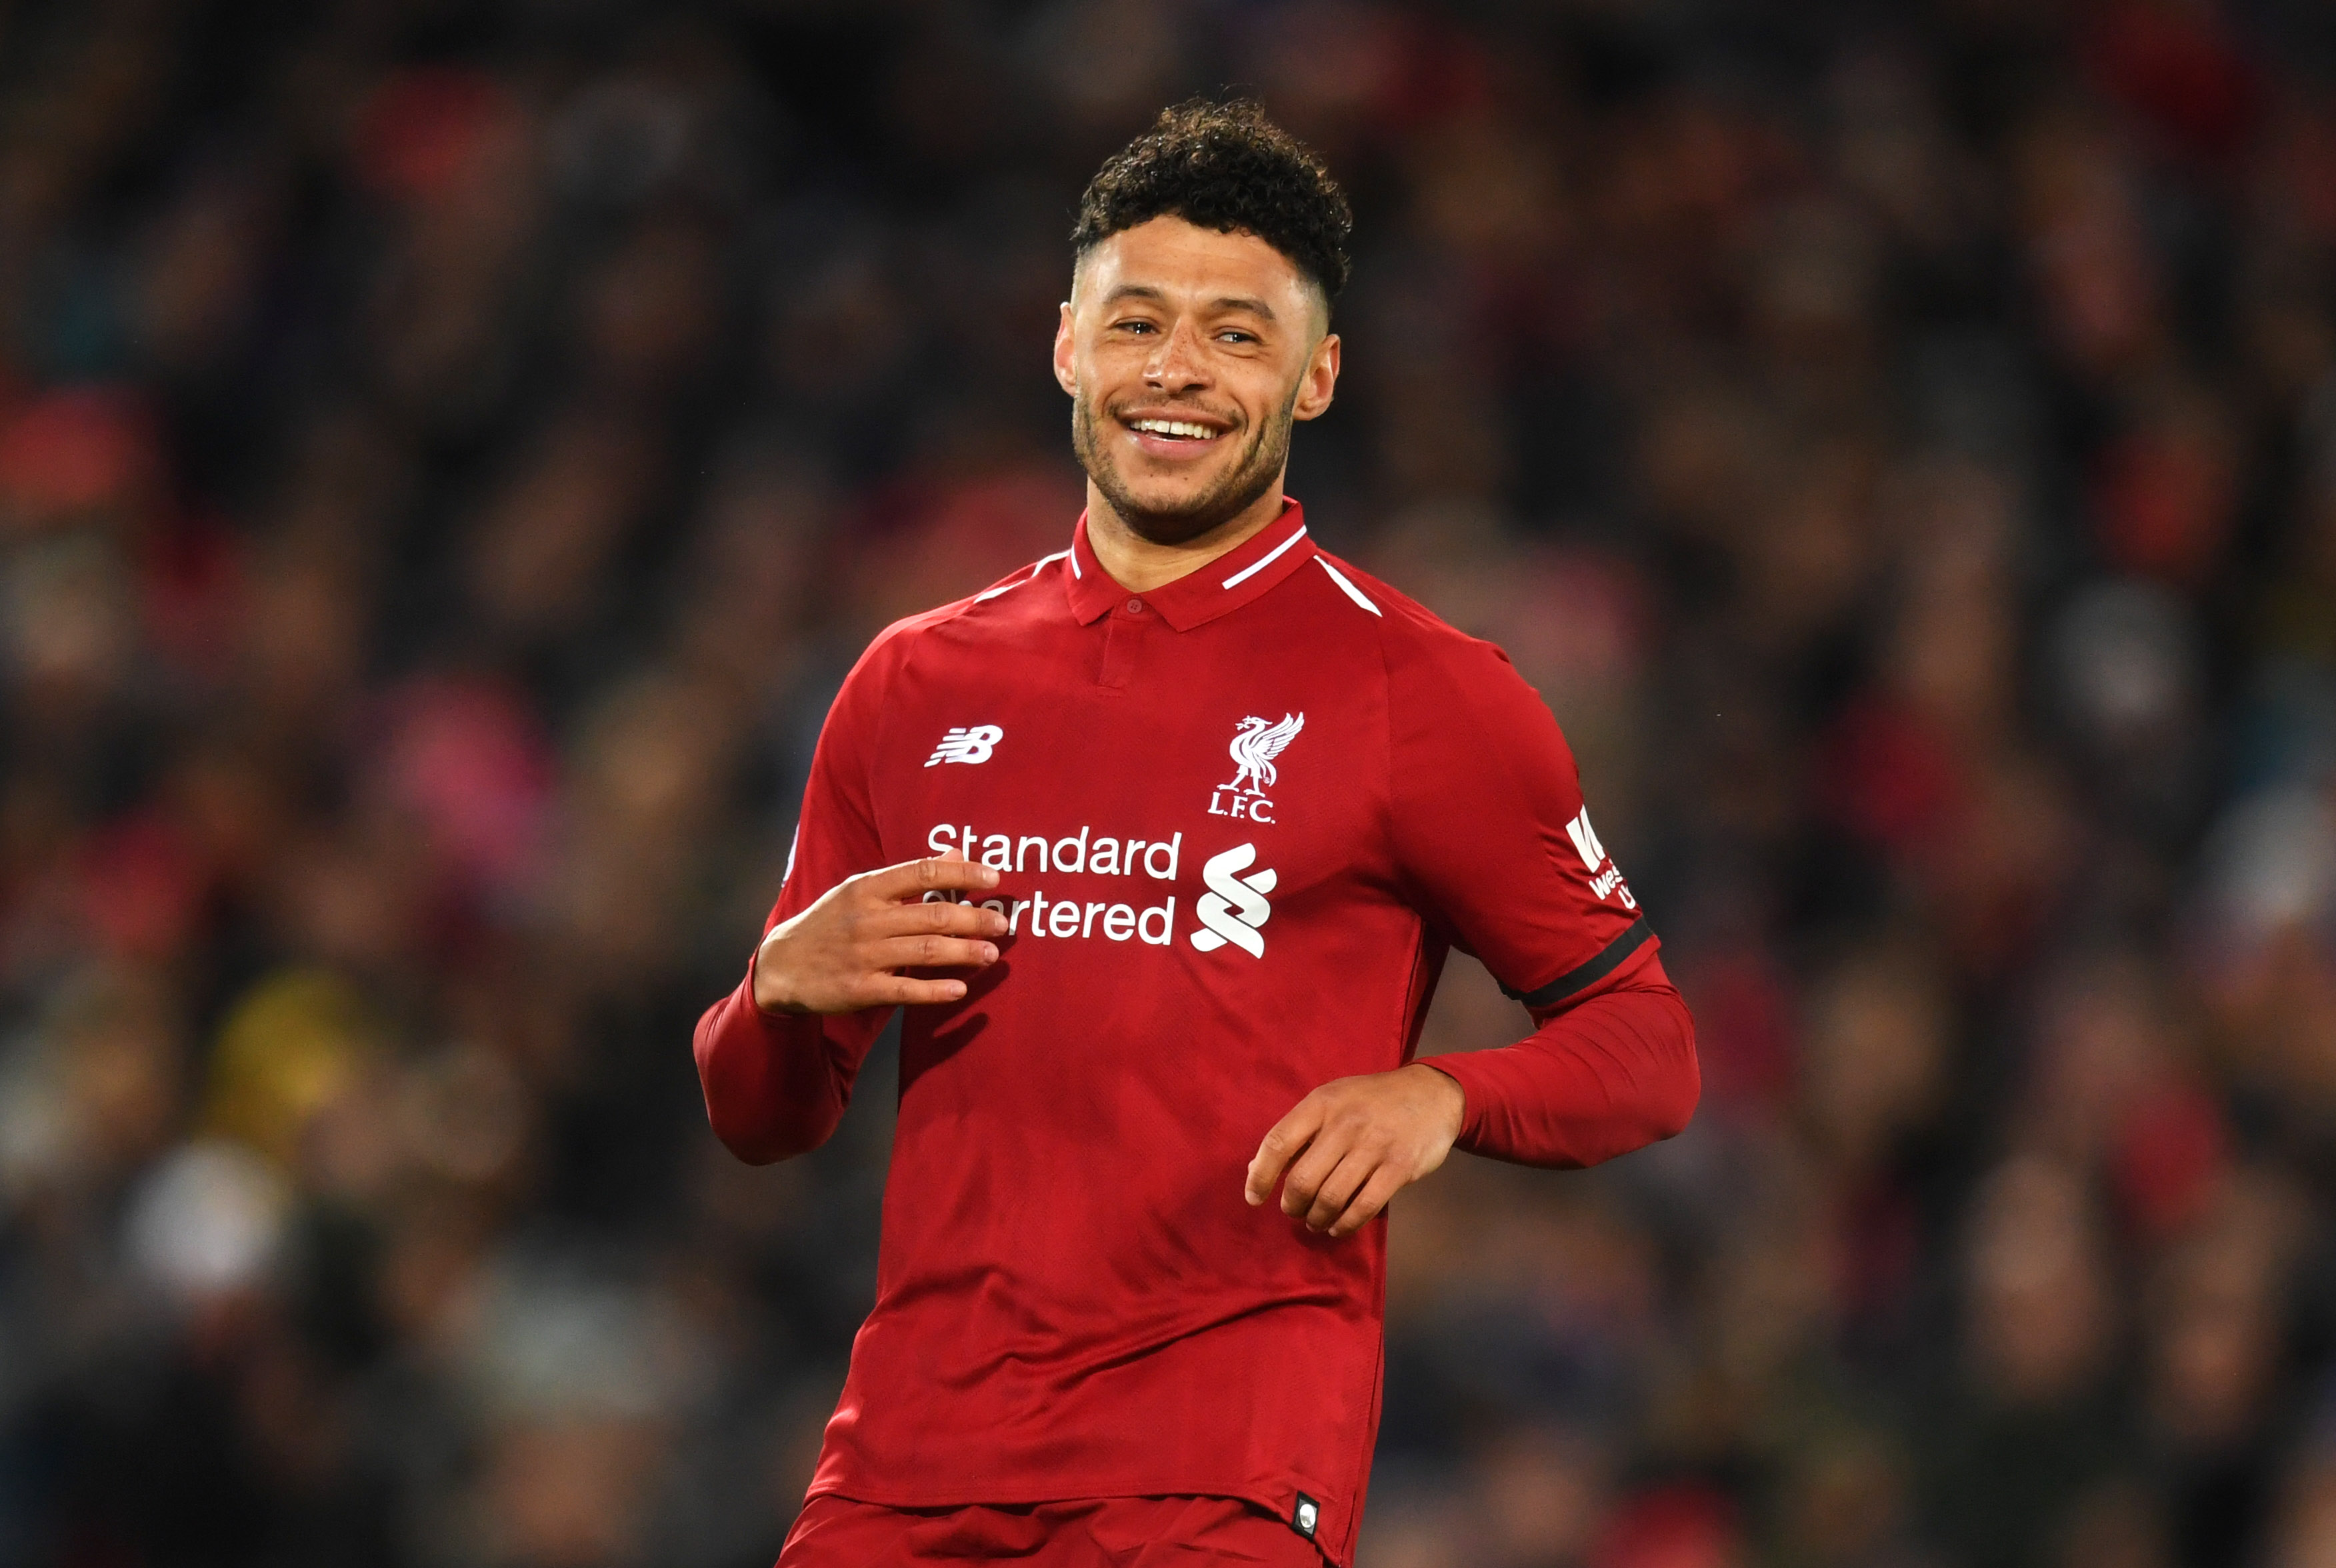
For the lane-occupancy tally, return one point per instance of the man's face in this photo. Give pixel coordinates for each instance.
(1188, 353)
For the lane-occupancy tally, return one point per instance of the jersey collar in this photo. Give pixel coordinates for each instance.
(1225, 584)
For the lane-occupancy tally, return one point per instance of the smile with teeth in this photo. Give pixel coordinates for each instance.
(1175, 429)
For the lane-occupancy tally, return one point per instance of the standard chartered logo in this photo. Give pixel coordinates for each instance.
(1234, 907)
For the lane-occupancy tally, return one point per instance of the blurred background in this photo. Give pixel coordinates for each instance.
(450, 454)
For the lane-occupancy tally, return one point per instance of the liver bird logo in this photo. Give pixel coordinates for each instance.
(1256, 743)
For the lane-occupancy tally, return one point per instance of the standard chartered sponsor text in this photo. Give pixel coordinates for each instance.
(1079, 851)
(1081, 854)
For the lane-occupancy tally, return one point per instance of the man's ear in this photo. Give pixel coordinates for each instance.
(1321, 382)
(1065, 366)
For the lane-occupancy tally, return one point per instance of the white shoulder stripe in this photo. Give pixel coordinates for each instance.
(1351, 591)
(1036, 568)
(1262, 561)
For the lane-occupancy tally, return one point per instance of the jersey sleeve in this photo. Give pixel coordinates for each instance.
(1495, 842)
(777, 1083)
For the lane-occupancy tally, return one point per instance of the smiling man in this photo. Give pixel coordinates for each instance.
(1161, 842)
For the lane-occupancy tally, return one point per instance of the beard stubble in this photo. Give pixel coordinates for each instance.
(1259, 468)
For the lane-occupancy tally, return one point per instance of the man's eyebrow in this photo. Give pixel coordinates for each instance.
(1159, 297)
(1254, 307)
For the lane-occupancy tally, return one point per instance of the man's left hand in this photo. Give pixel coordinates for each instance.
(1355, 1142)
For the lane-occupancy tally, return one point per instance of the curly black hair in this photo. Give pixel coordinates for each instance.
(1227, 167)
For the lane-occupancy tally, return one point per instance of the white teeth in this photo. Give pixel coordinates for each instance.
(1175, 427)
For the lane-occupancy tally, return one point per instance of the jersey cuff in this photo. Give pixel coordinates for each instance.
(1585, 976)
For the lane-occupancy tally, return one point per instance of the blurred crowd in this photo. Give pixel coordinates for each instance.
(450, 454)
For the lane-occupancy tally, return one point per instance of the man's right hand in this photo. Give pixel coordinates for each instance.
(845, 951)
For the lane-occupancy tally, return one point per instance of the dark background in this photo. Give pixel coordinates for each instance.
(450, 452)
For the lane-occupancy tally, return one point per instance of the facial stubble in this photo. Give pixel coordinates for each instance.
(1259, 470)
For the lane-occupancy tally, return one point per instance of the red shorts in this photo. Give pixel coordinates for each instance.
(1087, 1532)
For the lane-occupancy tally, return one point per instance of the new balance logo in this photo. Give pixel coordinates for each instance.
(967, 745)
(1234, 907)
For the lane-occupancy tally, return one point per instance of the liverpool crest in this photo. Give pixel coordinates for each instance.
(1256, 743)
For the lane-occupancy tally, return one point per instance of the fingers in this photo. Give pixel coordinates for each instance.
(1349, 1146)
(1309, 1173)
(903, 990)
(914, 879)
(929, 952)
(1287, 1139)
(840, 955)
(937, 920)
(935, 936)
(1330, 1195)
(1357, 1187)
(1376, 1194)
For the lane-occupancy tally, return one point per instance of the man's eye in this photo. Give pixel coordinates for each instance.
(1135, 327)
(1234, 335)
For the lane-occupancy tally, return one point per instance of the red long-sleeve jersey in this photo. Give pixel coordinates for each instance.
(1242, 819)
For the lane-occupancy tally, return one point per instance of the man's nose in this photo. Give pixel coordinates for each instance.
(1179, 364)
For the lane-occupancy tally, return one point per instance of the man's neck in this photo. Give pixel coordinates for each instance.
(1140, 565)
